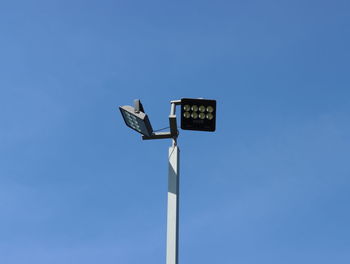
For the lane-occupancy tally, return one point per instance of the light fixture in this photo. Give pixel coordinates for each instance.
(198, 114)
(136, 119)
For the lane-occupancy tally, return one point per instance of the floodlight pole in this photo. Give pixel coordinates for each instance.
(172, 245)
(172, 248)
(173, 192)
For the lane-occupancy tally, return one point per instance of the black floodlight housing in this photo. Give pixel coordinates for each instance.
(198, 114)
(136, 119)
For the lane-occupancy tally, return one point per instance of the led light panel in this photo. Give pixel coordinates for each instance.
(137, 121)
(198, 114)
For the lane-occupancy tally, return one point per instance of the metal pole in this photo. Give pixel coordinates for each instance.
(173, 205)
(173, 191)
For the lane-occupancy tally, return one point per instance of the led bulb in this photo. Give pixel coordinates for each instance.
(202, 108)
(210, 109)
(194, 108)
(187, 108)
(210, 116)
(194, 115)
(201, 115)
(187, 115)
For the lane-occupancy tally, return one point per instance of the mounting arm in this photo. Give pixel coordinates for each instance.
(173, 133)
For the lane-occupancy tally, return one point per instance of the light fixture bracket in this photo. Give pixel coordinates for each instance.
(138, 106)
(174, 132)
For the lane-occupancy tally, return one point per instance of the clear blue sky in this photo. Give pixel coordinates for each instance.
(270, 186)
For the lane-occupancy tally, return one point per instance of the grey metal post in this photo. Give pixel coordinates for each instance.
(172, 249)
(173, 206)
